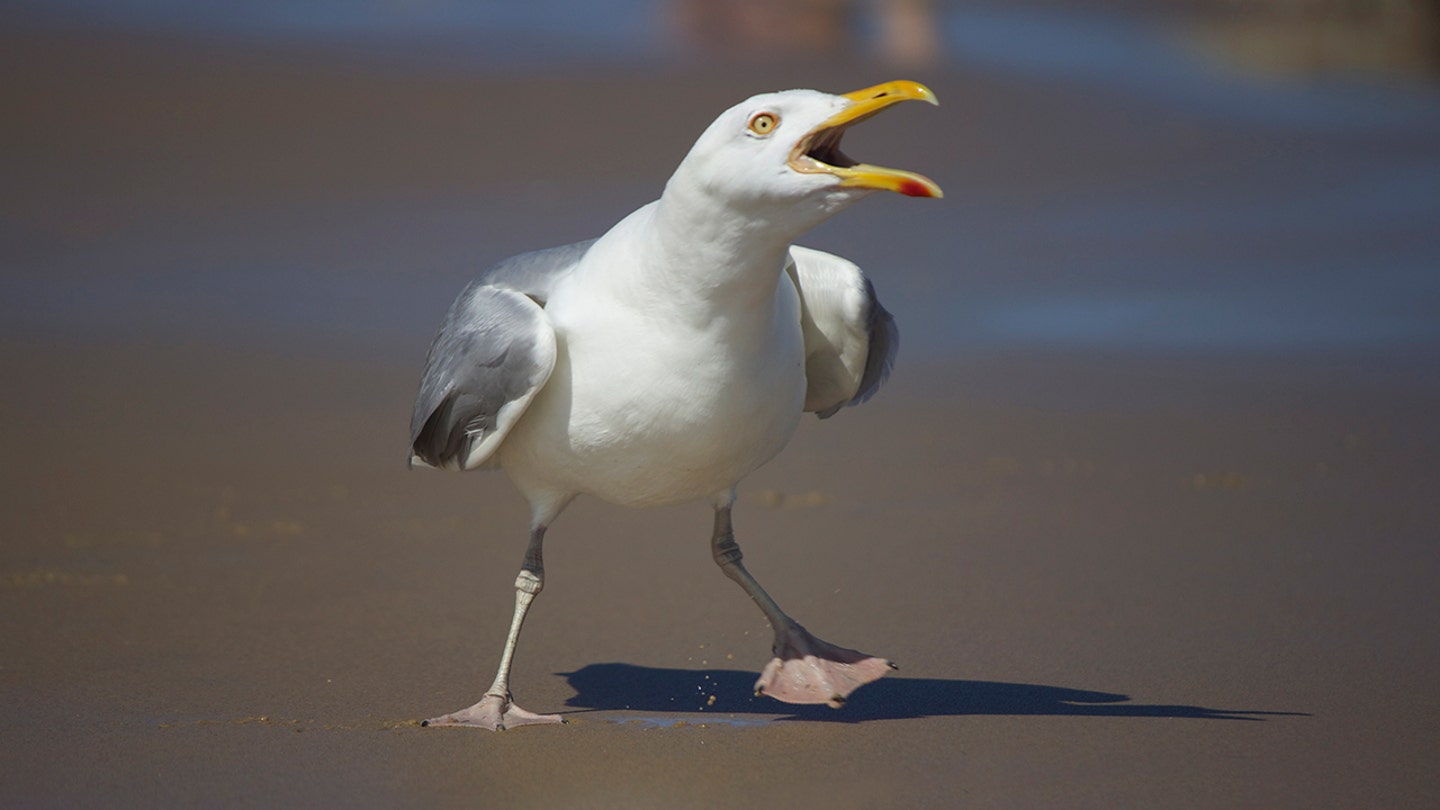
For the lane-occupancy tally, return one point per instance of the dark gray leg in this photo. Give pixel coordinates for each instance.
(805, 669)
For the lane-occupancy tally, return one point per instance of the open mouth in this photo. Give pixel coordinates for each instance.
(819, 151)
(821, 148)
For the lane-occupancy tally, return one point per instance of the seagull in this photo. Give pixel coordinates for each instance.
(669, 358)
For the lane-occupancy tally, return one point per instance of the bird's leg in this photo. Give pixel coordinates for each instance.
(496, 710)
(805, 669)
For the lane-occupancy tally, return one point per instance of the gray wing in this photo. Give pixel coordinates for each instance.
(492, 354)
(850, 339)
(537, 272)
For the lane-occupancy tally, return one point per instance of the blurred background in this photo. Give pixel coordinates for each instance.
(1231, 176)
(1162, 424)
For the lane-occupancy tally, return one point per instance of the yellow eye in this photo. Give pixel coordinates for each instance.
(764, 123)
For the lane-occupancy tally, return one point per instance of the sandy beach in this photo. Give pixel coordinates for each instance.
(1129, 569)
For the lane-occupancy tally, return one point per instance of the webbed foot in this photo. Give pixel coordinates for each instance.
(495, 713)
(808, 670)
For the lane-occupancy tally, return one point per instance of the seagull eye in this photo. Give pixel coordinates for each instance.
(764, 123)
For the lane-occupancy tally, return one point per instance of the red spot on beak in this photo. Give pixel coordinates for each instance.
(910, 188)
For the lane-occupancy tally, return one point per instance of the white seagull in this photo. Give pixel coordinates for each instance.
(671, 357)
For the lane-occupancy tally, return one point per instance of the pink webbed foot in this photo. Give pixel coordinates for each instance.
(494, 713)
(806, 669)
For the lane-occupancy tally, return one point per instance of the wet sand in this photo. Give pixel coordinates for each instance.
(1110, 578)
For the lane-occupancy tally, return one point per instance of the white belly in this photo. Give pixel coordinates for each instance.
(645, 410)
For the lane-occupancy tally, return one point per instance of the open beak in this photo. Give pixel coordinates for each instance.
(819, 151)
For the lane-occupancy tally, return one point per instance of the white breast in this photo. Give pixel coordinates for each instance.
(652, 404)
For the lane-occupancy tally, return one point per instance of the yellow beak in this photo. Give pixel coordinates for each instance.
(819, 152)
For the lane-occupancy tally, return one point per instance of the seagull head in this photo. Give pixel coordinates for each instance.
(777, 155)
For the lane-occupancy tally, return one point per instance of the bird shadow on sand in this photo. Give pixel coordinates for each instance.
(722, 692)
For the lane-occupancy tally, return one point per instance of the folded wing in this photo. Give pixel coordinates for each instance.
(850, 339)
(493, 353)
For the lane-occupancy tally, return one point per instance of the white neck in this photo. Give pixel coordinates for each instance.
(707, 248)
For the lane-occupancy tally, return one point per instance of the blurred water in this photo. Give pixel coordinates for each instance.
(1335, 250)
(486, 33)
(1349, 259)
(1150, 59)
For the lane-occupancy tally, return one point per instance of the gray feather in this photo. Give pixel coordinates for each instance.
(536, 273)
(495, 348)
